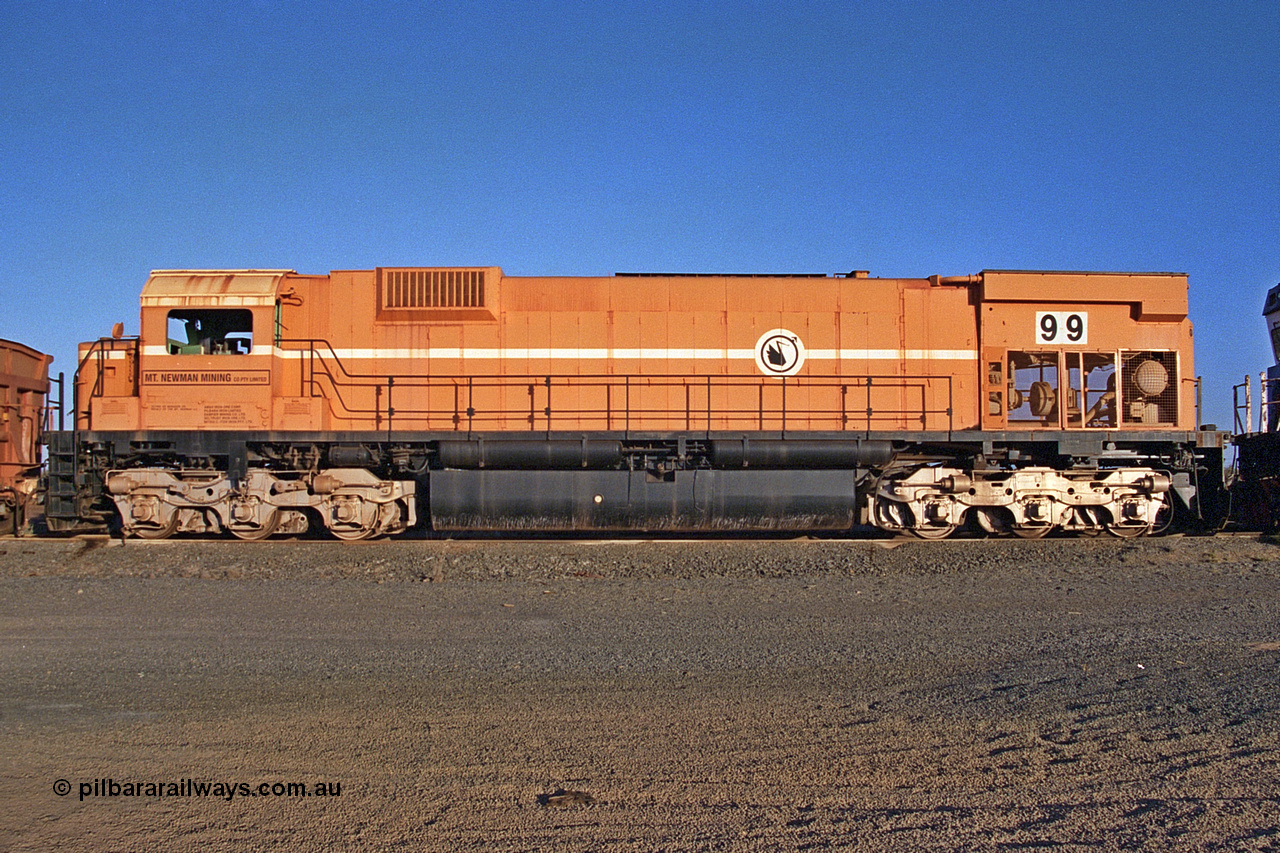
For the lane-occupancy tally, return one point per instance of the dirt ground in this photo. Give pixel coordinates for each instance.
(786, 695)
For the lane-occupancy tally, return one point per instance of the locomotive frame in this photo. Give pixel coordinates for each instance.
(366, 401)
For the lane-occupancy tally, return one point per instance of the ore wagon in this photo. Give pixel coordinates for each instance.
(24, 386)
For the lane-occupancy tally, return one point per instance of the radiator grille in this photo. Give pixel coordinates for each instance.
(1150, 387)
(419, 288)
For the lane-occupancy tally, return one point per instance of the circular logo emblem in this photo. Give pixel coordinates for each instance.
(779, 353)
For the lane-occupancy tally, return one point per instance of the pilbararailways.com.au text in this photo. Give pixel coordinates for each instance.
(196, 788)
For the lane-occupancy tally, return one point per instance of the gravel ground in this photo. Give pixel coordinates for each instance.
(778, 695)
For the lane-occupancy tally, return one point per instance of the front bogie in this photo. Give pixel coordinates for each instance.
(351, 502)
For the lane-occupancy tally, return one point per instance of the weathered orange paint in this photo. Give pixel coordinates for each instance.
(642, 354)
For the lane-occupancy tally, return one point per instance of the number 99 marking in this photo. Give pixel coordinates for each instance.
(1062, 327)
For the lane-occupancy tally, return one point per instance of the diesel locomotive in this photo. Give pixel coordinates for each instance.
(1256, 478)
(373, 402)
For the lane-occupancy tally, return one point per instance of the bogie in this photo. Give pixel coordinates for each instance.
(1028, 503)
(355, 503)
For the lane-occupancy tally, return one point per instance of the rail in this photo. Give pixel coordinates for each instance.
(622, 402)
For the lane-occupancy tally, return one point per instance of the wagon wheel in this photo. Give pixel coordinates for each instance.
(163, 532)
(17, 517)
(1031, 532)
(253, 534)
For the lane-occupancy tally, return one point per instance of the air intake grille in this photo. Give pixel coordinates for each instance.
(415, 288)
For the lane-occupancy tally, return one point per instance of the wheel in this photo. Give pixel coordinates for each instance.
(346, 512)
(933, 532)
(1089, 521)
(1164, 516)
(162, 532)
(353, 535)
(1159, 524)
(257, 533)
(1121, 532)
(890, 516)
(994, 521)
(1031, 532)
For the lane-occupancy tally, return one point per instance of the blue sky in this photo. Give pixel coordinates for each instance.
(906, 138)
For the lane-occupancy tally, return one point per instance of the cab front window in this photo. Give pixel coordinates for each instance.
(226, 331)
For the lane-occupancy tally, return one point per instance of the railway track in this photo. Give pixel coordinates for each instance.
(479, 559)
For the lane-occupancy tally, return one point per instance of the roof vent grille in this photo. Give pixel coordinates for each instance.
(431, 288)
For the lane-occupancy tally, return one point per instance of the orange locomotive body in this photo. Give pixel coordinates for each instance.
(374, 401)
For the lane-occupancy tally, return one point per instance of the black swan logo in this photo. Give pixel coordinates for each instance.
(774, 353)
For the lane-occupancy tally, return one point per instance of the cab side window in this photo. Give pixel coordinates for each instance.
(211, 331)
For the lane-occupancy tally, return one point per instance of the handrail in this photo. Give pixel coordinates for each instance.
(1267, 405)
(325, 376)
(97, 348)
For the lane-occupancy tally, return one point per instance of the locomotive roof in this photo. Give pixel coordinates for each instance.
(1153, 294)
(204, 287)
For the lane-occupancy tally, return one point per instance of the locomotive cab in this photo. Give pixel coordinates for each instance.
(174, 421)
(1256, 488)
(1271, 312)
